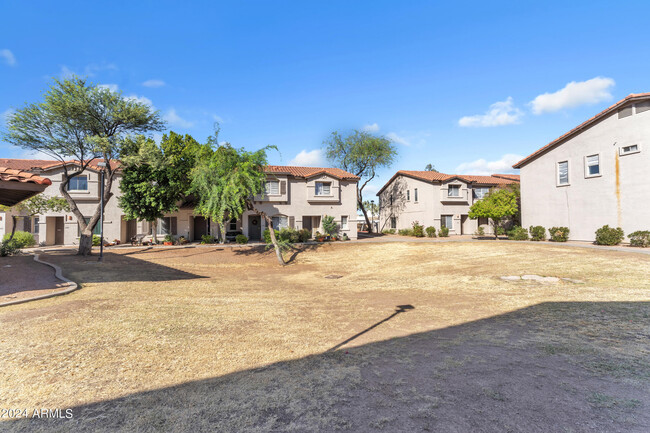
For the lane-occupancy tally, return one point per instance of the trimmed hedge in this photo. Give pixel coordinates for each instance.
(537, 233)
(241, 239)
(558, 234)
(431, 232)
(443, 232)
(518, 234)
(640, 238)
(607, 235)
(405, 232)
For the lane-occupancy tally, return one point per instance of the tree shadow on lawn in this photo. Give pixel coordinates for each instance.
(572, 366)
(264, 252)
(114, 268)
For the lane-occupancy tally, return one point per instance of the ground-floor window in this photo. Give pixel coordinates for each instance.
(96, 231)
(280, 222)
(166, 226)
(447, 221)
(344, 222)
(36, 225)
(232, 225)
(393, 222)
(482, 221)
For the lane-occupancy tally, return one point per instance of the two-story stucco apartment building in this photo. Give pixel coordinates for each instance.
(436, 199)
(593, 175)
(296, 197)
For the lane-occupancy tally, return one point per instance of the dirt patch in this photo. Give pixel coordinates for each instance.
(21, 278)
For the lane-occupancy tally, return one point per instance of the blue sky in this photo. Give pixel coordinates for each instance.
(466, 86)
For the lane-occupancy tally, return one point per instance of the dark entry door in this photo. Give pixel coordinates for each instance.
(254, 229)
(200, 227)
(59, 225)
(131, 229)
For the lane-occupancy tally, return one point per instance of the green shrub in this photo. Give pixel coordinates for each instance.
(288, 235)
(207, 239)
(329, 225)
(304, 235)
(405, 232)
(96, 240)
(431, 232)
(345, 237)
(640, 238)
(8, 249)
(558, 234)
(388, 231)
(480, 231)
(267, 235)
(21, 239)
(443, 232)
(241, 239)
(537, 233)
(418, 230)
(518, 234)
(168, 238)
(501, 230)
(607, 235)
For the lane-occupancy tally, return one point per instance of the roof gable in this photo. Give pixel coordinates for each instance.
(435, 177)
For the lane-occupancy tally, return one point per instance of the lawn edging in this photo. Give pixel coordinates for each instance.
(58, 273)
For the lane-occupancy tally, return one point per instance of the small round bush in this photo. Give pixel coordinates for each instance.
(537, 233)
(418, 230)
(640, 238)
(304, 235)
(288, 234)
(21, 239)
(607, 235)
(518, 234)
(431, 232)
(443, 232)
(241, 239)
(96, 240)
(207, 239)
(559, 234)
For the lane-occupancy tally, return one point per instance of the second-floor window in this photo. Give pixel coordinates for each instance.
(323, 188)
(563, 173)
(415, 195)
(453, 191)
(481, 192)
(272, 187)
(592, 165)
(78, 183)
(408, 195)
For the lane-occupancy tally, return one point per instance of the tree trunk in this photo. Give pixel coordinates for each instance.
(365, 215)
(222, 232)
(274, 241)
(85, 243)
(154, 230)
(14, 222)
(495, 222)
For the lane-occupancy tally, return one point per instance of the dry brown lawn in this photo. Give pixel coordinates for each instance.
(218, 339)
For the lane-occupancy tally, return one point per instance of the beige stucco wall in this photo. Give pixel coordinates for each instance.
(432, 203)
(620, 196)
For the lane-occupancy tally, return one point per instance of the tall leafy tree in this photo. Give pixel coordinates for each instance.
(81, 121)
(497, 205)
(362, 154)
(156, 178)
(227, 180)
(430, 167)
(36, 205)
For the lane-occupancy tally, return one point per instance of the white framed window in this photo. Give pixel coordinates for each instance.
(592, 165)
(563, 173)
(447, 221)
(280, 222)
(232, 225)
(272, 187)
(480, 192)
(78, 183)
(408, 195)
(323, 188)
(36, 225)
(164, 226)
(626, 150)
(344, 222)
(453, 191)
(415, 195)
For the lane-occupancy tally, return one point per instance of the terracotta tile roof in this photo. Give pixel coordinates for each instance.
(434, 176)
(583, 125)
(310, 171)
(12, 175)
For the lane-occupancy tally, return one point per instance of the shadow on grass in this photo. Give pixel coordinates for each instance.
(115, 268)
(541, 368)
(263, 252)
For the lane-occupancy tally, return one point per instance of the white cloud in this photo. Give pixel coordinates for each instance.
(92, 68)
(4, 117)
(499, 114)
(371, 127)
(574, 94)
(312, 158)
(218, 119)
(398, 139)
(483, 167)
(173, 118)
(9, 57)
(154, 83)
(111, 87)
(66, 72)
(140, 99)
